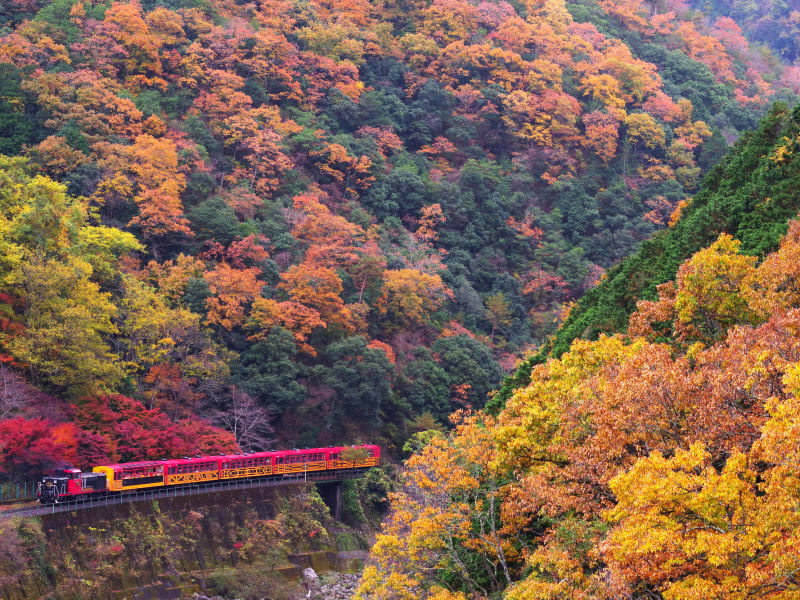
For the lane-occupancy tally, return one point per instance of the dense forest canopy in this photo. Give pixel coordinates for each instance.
(775, 23)
(661, 462)
(328, 220)
(749, 195)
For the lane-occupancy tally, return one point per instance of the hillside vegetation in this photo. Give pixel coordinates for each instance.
(774, 23)
(750, 195)
(241, 224)
(661, 462)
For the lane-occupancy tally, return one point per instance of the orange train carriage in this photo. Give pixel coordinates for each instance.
(67, 484)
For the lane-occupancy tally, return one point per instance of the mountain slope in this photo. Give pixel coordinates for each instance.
(332, 219)
(657, 463)
(750, 195)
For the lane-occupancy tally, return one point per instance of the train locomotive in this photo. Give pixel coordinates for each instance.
(72, 484)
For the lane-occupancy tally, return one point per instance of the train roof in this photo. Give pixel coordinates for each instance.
(143, 463)
(199, 459)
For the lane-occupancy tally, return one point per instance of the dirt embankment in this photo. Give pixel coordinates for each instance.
(232, 545)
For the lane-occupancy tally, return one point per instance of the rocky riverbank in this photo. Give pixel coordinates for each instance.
(337, 586)
(331, 586)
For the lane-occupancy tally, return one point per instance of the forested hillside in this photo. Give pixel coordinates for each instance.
(658, 463)
(224, 223)
(750, 195)
(775, 23)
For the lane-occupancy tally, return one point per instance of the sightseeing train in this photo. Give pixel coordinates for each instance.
(69, 483)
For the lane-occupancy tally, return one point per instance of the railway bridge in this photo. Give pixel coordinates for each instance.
(328, 484)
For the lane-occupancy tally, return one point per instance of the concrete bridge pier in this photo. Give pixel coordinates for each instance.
(331, 493)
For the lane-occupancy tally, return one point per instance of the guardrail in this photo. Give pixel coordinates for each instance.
(181, 490)
(11, 492)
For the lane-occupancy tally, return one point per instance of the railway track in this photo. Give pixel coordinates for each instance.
(175, 491)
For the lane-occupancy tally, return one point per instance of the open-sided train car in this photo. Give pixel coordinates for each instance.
(123, 477)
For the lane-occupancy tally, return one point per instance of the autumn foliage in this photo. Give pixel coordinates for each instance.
(660, 461)
(348, 213)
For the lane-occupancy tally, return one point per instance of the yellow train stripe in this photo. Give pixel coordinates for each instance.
(245, 472)
(191, 477)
